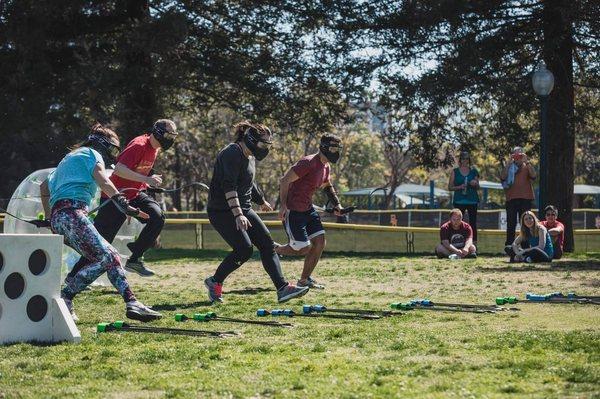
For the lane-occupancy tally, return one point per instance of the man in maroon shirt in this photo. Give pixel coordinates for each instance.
(456, 238)
(301, 221)
(556, 230)
(132, 175)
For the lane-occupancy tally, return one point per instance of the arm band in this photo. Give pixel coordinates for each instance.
(331, 195)
(234, 206)
(230, 198)
(238, 215)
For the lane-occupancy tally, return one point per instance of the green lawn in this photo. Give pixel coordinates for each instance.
(543, 351)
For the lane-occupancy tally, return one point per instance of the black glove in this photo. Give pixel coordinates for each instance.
(123, 205)
(40, 223)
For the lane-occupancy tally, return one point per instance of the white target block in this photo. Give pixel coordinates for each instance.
(30, 305)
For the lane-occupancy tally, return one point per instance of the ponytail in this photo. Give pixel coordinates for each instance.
(240, 128)
(100, 130)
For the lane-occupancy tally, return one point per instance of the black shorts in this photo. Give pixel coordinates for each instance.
(301, 227)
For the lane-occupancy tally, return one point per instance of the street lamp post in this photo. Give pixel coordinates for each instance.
(543, 82)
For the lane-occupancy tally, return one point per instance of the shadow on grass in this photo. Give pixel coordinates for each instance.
(556, 266)
(249, 291)
(39, 344)
(175, 306)
(157, 255)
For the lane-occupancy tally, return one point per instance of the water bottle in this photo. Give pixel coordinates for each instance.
(453, 257)
(466, 185)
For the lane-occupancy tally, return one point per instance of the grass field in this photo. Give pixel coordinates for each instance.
(542, 351)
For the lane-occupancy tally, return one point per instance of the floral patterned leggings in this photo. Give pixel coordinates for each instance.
(70, 219)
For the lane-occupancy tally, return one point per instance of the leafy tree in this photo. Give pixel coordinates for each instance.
(438, 60)
(67, 63)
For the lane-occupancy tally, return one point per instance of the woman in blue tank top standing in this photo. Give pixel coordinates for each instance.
(464, 182)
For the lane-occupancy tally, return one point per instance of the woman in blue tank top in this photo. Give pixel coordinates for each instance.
(533, 244)
(464, 182)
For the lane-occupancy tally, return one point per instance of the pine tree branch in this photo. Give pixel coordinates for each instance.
(589, 86)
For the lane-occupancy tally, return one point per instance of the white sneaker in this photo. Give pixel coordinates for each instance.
(310, 283)
(138, 311)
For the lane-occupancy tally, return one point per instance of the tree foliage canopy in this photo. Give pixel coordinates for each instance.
(443, 74)
(66, 63)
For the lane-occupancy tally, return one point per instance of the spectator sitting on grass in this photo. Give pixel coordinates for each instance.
(533, 244)
(456, 238)
(556, 230)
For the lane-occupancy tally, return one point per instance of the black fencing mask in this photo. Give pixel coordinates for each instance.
(330, 147)
(109, 149)
(257, 146)
(164, 132)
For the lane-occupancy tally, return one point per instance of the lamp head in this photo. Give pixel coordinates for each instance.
(542, 80)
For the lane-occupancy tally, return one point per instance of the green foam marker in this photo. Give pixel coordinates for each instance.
(402, 306)
(118, 324)
(180, 317)
(201, 317)
(101, 327)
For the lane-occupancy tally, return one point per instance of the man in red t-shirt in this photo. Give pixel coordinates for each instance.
(556, 230)
(132, 176)
(301, 221)
(456, 238)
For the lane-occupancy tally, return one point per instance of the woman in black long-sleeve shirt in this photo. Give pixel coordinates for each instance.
(232, 189)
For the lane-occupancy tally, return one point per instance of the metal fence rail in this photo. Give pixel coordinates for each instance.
(183, 230)
(199, 234)
(486, 219)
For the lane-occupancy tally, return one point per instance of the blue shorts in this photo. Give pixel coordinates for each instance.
(301, 227)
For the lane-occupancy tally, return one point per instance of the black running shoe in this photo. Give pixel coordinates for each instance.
(137, 266)
(289, 292)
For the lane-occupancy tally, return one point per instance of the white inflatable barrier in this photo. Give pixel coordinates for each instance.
(30, 305)
(26, 204)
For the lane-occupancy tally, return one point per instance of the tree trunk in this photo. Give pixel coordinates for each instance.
(141, 107)
(558, 55)
(176, 195)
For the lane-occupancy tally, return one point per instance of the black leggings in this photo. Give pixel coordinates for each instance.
(109, 220)
(472, 210)
(514, 209)
(241, 242)
(536, 254)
